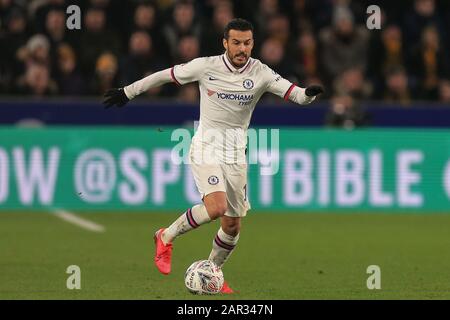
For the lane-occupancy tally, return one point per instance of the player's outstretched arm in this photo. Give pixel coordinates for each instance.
(120, 96)
(288, 90)
(305, 95)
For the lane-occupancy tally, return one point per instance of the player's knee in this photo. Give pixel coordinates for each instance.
(232, 229)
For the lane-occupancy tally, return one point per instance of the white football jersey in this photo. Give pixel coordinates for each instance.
(228, 97)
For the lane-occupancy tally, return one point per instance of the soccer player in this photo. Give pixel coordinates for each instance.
(230, 86)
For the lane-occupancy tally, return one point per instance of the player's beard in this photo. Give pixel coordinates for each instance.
(239, 60)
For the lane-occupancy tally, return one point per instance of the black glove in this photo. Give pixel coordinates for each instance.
(115, 97)
(313, 90)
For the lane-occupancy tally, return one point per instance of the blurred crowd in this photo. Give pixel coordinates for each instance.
(306, 41)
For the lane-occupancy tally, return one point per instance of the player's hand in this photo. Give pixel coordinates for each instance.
(115, 97)
(313, 90)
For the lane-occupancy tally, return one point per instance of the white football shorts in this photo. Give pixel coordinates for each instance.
(229, 178)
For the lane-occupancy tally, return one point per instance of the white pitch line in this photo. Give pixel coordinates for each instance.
(76, 220)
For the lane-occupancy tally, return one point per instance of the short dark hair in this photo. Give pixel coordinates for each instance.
(237, 24)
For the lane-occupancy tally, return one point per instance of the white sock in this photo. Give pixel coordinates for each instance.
(223, 245)
(191, 219)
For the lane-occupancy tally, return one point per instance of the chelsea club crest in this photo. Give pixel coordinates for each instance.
(248, 84)
(213, 180)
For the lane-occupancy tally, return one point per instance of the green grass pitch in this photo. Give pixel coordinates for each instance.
(279, 256)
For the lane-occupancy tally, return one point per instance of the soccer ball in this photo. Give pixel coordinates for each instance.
(203, 277)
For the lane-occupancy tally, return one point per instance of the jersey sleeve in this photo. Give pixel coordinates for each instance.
(188, 72)
(276, 84)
